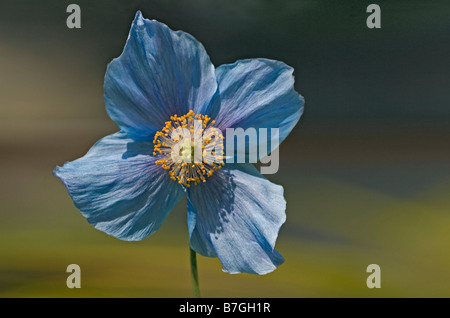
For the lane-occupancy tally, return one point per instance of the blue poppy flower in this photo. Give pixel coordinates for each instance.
(121, 185)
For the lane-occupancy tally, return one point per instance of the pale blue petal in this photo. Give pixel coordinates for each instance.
(258, 93)
(236, 215)
(119, 189)
(160, 73)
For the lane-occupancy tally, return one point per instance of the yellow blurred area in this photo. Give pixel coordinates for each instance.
(334, 230)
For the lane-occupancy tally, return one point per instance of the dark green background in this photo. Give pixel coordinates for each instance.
(366, 171)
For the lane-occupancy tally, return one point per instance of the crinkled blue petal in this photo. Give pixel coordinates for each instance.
(258, 93)
(236, 215)
(160, 73)
(118, 188)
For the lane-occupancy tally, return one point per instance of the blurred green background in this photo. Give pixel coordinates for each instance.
(366, 172)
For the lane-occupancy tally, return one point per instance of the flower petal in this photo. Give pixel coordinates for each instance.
(119, 189)
(160, 73)
(258, 93)
(236, 215)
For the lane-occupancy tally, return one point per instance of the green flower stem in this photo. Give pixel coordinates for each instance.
(194, 274)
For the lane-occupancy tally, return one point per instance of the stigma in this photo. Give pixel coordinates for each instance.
(190, 148)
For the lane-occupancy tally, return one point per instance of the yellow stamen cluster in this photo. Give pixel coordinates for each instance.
(191, 149)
